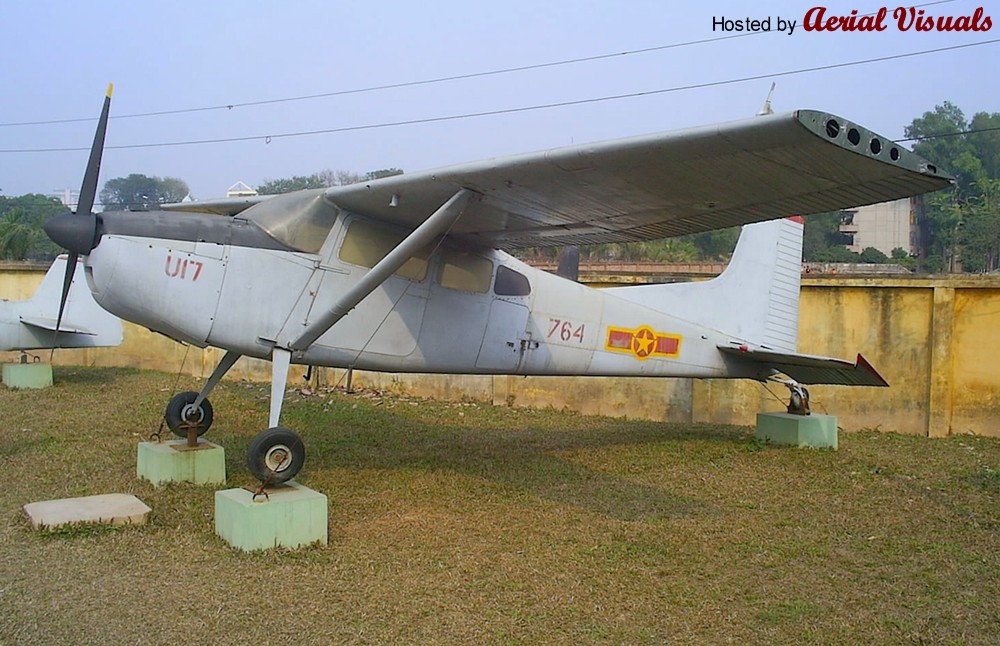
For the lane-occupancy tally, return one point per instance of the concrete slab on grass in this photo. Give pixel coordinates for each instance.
(106, 509)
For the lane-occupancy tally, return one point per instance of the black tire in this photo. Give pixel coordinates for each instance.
(276, 455)
(179, 415)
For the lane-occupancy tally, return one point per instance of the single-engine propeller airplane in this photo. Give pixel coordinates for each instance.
(31, 324)
(408, 273)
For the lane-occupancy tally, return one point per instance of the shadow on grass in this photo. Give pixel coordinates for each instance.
(533, 458)
(80, 376)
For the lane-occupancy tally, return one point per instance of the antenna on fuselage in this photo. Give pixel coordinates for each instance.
(766, 108)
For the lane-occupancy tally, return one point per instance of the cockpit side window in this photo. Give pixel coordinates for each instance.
(366, 243)
(511, 283)
(465, 271)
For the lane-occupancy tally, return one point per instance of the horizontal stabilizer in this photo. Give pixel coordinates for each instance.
(809, 369)
(50, 325)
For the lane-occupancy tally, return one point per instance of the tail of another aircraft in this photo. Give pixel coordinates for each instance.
(756, 299)
(85, 324)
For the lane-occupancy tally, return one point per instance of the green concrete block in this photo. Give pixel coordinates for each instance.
(816, 431)
(291, 516)
(27, 375)
(174, 461)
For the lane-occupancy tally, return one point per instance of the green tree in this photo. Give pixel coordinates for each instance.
(32, 210)
(17, 236)
(322, 179)
(139, 192)
(974, 159)
(822, 232)
(714, 245)
(385, 172)
(295, 183)
(836, 254)
(902, 257)
(979, 234)
(874, 256)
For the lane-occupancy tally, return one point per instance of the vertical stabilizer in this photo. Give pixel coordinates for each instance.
(756, 299)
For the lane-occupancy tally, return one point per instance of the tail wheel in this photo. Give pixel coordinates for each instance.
(276, 455)
(799, 401)
(181, 414)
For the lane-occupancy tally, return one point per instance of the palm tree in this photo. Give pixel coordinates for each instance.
(17, 237)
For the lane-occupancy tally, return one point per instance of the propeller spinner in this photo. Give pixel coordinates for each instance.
(78, 232)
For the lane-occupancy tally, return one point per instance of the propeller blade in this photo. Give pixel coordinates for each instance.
(88, 190)
(67, 283)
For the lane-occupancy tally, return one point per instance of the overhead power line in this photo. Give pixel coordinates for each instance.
(307, 133)
(406, 84)
(948, 134)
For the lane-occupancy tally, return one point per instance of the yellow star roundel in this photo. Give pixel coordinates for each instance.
(643, 342)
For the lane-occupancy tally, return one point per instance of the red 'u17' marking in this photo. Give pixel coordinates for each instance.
(183, 268)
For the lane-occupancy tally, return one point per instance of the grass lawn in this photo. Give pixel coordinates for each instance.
(468, 523)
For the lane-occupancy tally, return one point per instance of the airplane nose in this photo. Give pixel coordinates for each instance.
(76, 233)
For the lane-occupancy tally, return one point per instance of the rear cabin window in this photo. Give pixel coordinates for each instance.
(465, 271)
(365, 244)
(511, 283)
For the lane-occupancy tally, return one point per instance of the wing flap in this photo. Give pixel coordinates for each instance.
(809, 369)
(660, 185)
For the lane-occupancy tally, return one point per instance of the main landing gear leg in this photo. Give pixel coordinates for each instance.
(277, 454)
(189, 414)
(798, 400)
(798, 403)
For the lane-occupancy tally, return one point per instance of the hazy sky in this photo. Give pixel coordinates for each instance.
(58, 57)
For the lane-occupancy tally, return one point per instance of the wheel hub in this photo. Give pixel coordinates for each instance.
(278, 458)
(193, 415)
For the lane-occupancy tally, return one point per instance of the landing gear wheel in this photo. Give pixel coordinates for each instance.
(275, 455)
(181, 415)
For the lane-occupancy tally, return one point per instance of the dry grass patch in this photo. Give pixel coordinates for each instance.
(469, 523)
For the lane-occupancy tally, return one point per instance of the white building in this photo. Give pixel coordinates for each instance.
(241, 189)
(67, 196)
(885, 226)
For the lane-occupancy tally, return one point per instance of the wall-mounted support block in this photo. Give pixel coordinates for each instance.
(27, 375)
(175, 461)
(290, 516)
(816, 431)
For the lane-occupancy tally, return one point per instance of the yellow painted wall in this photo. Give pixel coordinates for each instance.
(935, 340)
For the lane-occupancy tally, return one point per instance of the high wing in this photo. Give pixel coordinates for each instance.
(660, 185)
(219, 206)
(809, 369)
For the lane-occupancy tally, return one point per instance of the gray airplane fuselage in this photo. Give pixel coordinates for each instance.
(214, 280)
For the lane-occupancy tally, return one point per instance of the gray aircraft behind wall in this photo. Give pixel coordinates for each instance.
(31, 324)
(409, 273)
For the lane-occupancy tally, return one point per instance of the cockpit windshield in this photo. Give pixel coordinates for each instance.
(300, 220)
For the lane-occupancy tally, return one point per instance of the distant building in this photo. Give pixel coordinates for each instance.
(241, 189)
(67, 196)
(885, 226)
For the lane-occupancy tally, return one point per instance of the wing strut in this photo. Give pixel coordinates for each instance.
(437, 224)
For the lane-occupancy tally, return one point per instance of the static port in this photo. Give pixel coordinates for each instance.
(876, 146)
(854, 136)
(832, 128)
(894, 153)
